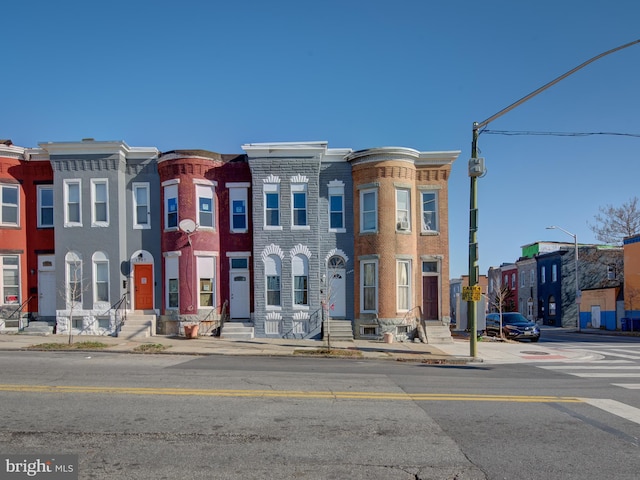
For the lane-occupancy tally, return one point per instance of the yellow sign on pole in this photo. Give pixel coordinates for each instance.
(471, 294)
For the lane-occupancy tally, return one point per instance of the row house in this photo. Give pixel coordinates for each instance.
(95, 234)
(547, 291)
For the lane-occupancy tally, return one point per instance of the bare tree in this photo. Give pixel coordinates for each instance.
(501, 295)
(71, 292)
(613, 224)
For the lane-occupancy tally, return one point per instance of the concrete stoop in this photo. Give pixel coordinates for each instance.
(38, 328)
(138, 325)
(437, 333)
(237, 331)
(341, 330)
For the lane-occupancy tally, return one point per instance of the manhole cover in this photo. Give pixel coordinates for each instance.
(534, 353)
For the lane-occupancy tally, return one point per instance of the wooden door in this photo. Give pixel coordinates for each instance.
(430, 298)
(143, 284)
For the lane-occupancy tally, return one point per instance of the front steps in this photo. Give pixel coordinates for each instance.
(340, 330)
(437, 333)
(138, 324)
(237, 331)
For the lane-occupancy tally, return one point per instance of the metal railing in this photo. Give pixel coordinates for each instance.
(314, 321)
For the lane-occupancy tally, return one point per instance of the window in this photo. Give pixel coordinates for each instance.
(72, 200)
(369, 286)
(368, 210)
(74, 279)
(403, 213)
(336, 205)
(10, 280)
(100, 277)
(543, 274)
(523, 279)
(240, 263)
(272, 269)
(513, 281)
(171, 285)
(238, 201)
(100, 202)
(271, 205)
(300, 268)
(205, 206)
(45, 206)
(532, 277)
(552, 306)
(206, 284)
(141, 213)
(299, 204)
(429, 211)
(404, 284)
(9, 210)
(171, 206)
(554, 273)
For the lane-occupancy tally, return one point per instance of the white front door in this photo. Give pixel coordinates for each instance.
(595, 316)
(337, 294)
(239, 302)
(46, 286)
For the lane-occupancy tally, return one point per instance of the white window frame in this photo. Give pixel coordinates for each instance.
(268, 190)
(95, 182)
(403, 215)
(207, 272)
(68, 183)
(337, 191)
(543, 274)
(205, 192)
(435, 227)
(514, 281)
(400, 287)
(171, 193)
(532, 276)
(373, 212)
(363, 286)
(298, 190)
(523, 279)
(3, 205)
(42, 207)
(7, 297)
(100, 260)
(145, 187)
(273, 268)
(300, 269)
(73, 274)
(172, 277)
(238, 193)
(554, 272)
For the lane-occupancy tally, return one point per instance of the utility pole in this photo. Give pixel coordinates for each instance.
(477, 169)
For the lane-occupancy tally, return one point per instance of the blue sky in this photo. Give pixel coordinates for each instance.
(356, 73)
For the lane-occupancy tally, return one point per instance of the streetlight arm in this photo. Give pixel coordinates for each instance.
(477, 126)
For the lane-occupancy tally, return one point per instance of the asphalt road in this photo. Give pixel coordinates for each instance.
(218, 417)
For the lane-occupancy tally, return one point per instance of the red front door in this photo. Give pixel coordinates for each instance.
(430, 297)
(143, 278)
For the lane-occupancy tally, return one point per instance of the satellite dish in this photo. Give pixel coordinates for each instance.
(187, 225)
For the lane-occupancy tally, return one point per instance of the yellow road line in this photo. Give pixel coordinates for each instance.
(417, 397)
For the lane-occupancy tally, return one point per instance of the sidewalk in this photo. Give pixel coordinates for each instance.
(458, 352)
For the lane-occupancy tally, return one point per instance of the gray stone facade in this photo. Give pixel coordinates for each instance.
(285, 169)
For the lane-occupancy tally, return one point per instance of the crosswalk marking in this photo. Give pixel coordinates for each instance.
(590, 367)
(630, 386)
(612, 353)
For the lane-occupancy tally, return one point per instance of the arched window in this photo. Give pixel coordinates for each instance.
(100, 277)
(73, 272)
(300, 270)
(272, 272)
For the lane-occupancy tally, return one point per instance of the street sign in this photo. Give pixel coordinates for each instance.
(471, 294)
